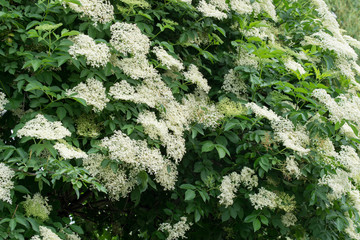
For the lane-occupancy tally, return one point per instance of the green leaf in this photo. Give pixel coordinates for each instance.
(12, 224)
(76, 229)
(207, 146)
(197, 215)
(189, 195)
(61, 113)
(22, 189)
(225, 216)
(256, 225)
(264, 220)
(222, 151)
(187, 186)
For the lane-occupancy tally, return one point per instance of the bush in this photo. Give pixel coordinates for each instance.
(170, 119)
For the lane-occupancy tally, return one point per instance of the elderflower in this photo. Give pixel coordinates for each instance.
(195, 76)
(220, 4)
(97, 55)
(72, 236)
(167, 60)
(137, 155)
(229, 186)
(339, 184)
(326, 41)
(135, 67)
(69, 152)
(268, 7)
(97, 10)
(127, 38)
(241, 6)
(200, 110)
(117, 183)
(93, 92)
(6, 174)
(48, 234)
(234, 84)
(295, 139)
(37, 206)
(263, 199)
(176, 231)
(230, 108)
(248, 178)
(351, 229)
(210, 10)
(246, 59)
(87, 127)
(292, 167)
(3, 102)
(294, 66)
(41, 128)
(158, 129)
(288, 219)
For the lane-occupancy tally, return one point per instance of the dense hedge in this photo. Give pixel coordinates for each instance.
(215, 119)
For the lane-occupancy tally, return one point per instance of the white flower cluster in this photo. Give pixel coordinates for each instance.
(37, 206)
(138, 155)
(97, 55)
(93, 92)
(328, 18)
(46, 234)
(136, 67)
(195, 76)
(3, 102)
(292, 167)
(176, 231)
(72, 236)
(210, 10)
(263, 198)
(118, 184)
(234, 84)
(229, 186)
(294, 66)
(288, 219)
(69, 152)
(263, 33)
(158, 129)
(243, 6)
(6, 174)
(41, 128)
(349, 158)
(296, 140)
(326, 41)
(347, 107)
(128, 39)
(220, 4)
(339, 184)
(167, 60)
(200, 110)
(248, 7)
(98, 10)
(352, 41)
(248, 178)
(268, 7)
(351, 230)
(246, 59)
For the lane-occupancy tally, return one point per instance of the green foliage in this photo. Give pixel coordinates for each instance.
(244, 58)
